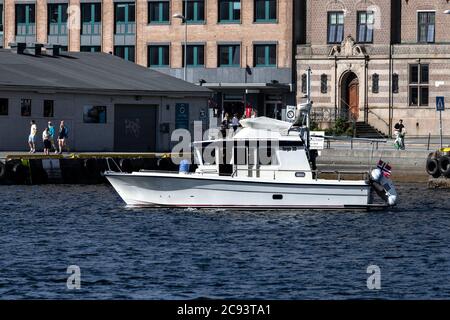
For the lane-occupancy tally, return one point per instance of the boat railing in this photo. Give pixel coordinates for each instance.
(108, 159)
(316, 174)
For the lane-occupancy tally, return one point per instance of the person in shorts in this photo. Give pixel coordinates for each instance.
(32, 136)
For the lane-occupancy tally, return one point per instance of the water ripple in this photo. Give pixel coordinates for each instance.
(128, 253)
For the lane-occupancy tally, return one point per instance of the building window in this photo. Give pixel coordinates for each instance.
(324, 83)
(265, 10)
(25, 107)
(304, 84)
(158, 56)
(1, 19)
(418, 85)
(48, 108)
(375, 83)
(195, 10)
(158, 12)
(25, 19)
(229, 56)
(3, 107)
(195, 55)
(57, 19)
(230, 11)
(335, 27)
(94, 114)
(265, 55)
(395, 87)
(125, 52)
(90, 48)
(91, 17)
(125, 18)
(366, 22)
(426, 27)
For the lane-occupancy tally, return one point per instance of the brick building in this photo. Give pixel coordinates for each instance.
(377, 62)
(243, 49)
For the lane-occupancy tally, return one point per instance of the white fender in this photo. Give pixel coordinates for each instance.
(384, 187)
(389, 188)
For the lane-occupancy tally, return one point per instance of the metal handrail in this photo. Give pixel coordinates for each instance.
(316, 173)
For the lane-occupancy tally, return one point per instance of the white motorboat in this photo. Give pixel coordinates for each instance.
(231, 174)
(268, 164)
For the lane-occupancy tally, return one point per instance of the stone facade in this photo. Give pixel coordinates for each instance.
(382, 67)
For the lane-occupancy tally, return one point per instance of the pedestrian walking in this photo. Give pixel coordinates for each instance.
(62, 136)
(32, 136)
(399, 134)
(46, 141)
(51, 132)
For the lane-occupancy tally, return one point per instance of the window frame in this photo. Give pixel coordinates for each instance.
(160, 48)
(230, 9)
(4, 106)
(267, 18)
(88, 108)
(329, 16)
(266, 55)
(419, 85)
(93, 21)
(126, 52)
(195, 14)
(61, 16)
(52, 108)
(28, 22)
(427, 25)
(366, 25)
(323, 83)
(195, 55)
(230, 56)
(161, 7)
(127, 15)
(22, 106)
(1, 19)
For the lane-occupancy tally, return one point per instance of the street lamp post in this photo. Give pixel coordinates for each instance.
(183, 19)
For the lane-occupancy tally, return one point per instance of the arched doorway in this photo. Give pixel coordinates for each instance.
(350, 96)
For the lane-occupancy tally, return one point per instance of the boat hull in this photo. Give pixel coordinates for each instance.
(189, 191)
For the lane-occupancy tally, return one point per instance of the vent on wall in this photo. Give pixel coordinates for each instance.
(34, 49)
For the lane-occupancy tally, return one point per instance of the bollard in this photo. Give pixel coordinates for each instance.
(429, 137)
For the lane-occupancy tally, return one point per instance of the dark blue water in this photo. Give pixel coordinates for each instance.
(184, 254)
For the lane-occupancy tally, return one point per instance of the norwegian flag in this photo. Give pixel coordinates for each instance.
(385, 168)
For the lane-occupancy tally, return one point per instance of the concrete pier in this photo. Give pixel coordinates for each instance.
(76, 168)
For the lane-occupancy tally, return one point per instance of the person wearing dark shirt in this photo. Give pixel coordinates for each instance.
(399, 134)
(399, 126)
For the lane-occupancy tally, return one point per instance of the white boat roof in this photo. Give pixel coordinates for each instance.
(262, 128)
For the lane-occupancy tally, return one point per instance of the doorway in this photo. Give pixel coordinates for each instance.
(350, 97)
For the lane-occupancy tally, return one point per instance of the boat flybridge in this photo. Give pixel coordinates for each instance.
(267, 164)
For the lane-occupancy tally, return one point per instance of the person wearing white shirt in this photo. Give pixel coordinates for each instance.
(32, 136)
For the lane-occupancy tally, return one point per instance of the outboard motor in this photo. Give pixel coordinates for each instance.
(383, 186)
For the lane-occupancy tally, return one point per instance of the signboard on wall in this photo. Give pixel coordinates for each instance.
(316, 140)
(182, 116)
(290, 113)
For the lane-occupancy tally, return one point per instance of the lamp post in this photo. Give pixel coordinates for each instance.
(183, 19)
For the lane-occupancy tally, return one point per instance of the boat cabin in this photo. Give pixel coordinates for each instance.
(256, 152)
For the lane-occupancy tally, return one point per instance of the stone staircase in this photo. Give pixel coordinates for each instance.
(365, 130)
